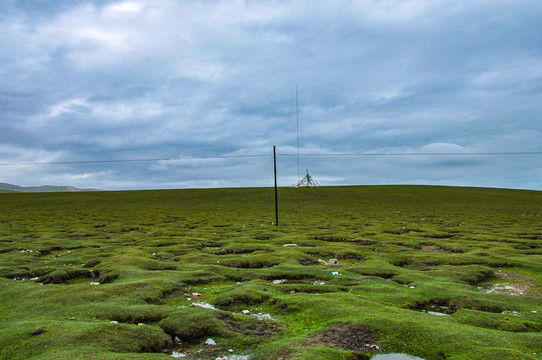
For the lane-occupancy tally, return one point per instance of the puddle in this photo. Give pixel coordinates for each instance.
(190, 354)
(435, 313)
(264, 316)
(203, 305)
(437, 307)
(510, 284)
(177, 355)
(395, 356)
(504, 288)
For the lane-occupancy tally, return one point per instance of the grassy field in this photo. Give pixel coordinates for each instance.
(434, 272)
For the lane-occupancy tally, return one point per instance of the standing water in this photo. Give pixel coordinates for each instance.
(395, 356)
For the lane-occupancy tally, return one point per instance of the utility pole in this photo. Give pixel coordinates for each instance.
(276, 196)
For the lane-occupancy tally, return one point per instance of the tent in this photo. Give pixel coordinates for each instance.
(307, 181)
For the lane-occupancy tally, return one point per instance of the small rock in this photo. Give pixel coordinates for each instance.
(72, 318)
(246, 312)
(37, 331)
(210, 342)
(114, 322)
(289, 245)
(333, 262)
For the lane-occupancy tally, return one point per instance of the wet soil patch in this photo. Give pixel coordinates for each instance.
(526, 246)
(447, 306)
(91, 263)
(234, 251)
(444, 306)
(530, 236)
(310, 289)
(332, 238)
(108, 278)
(510, 284)
(442, 249)
(364, 242)
(348, 255)
(250, 264)
(410, 246)
(347, 336)
(250, 327)
(165, 244)
(401, 262)
(308, 261)
(65, 276)
(438, 236)
(288, 276)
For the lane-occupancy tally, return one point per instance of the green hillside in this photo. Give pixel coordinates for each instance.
(43, 188)
(433, 272)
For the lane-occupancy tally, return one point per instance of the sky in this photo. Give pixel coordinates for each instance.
(209, 87)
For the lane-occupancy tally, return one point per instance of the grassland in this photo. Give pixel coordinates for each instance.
(73, 264)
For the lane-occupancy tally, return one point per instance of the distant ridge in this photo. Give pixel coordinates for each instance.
(43, 188)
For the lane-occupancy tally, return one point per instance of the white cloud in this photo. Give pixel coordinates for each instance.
(105, 111)
(442, 148)
(128, 6)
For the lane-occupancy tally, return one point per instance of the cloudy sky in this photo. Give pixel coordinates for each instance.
(209, 84)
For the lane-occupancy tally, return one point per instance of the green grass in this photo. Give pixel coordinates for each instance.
(402, 250)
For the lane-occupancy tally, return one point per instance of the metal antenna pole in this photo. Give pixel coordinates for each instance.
(297, 128)
(276, 196)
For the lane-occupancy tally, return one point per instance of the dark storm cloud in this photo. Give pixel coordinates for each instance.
(87, 80)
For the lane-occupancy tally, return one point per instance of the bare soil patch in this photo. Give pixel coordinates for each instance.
(348, 336)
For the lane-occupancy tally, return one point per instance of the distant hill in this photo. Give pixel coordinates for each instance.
(44, 188)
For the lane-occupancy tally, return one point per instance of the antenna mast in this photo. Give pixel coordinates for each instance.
(297, 127)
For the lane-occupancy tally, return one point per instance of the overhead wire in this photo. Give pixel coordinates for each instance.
(267, 155)
(134, 160)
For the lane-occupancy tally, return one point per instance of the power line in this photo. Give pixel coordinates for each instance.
(418, 154)
(267, 155)
(134, 160)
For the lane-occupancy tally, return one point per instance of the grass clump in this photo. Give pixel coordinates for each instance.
(193, 323)
(242, 295)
